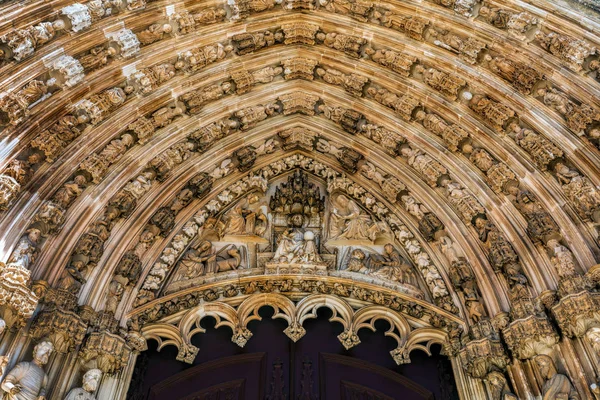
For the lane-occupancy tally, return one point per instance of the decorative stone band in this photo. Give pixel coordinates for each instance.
(295, 308)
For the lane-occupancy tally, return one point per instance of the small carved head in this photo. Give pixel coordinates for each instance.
(42, 352)
(91, 380)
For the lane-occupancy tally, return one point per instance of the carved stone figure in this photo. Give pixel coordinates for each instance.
(389, 140)
(501, 251)
(541, 149)
(518, 24)
(154, 33)
(593, 337)
(562, 258)
(243, 222)
(296, 246)
(352, 83)
(27, 380)
(356, 263)
(195, 261)
(98, 106)
(431, 169)
(348, 221)
(392, 266)
(572, 52)
(347, 157)
(499, 386)
(584, 196)
(539, 223)
(210, 134)
(467, 49)
(556, 386)
(198, 58)
(91, 380)
(24, 42)
(448, 84)
(249, 42)
(413, 26)
(250, 116)
(397, 62)
(229, 263)
(405, 106)
(197, 99)
(96, 58)
(522, 77)
(495, 113)
(358, 9)
(72, 276)
(350, 45)
(26, 250)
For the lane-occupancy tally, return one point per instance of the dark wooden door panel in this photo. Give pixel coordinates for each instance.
(233, 390)
(244, 373)
(374, 380)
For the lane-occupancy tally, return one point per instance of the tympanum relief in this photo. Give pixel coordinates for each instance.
(296, 226)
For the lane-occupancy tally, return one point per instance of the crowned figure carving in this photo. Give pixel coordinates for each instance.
(297, 208)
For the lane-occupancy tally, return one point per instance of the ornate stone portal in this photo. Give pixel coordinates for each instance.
(434, 164)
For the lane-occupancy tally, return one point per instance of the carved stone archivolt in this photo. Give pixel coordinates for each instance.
(432, 165)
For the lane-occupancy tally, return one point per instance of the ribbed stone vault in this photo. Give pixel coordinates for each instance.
(471, 128)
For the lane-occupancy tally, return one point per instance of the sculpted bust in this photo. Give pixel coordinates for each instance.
(91, 379)
(27, 380)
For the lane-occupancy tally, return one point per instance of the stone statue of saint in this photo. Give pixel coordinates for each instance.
(556, 386)
(91, 380)
(196, 261)
(393, 267)
(27, 380)
(347, 220)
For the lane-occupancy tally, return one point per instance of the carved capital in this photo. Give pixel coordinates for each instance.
(576, 313)
(480, 357)
(108, 352)
(17, 300)
(64, 329)
(530, 336)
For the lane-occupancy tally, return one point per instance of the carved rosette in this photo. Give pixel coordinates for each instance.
(528, 337)
(64, 329)
(110, 352)
(480, 357)
(17, 300)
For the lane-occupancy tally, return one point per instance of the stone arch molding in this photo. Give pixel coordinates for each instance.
(178, 330)
(501, 95)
